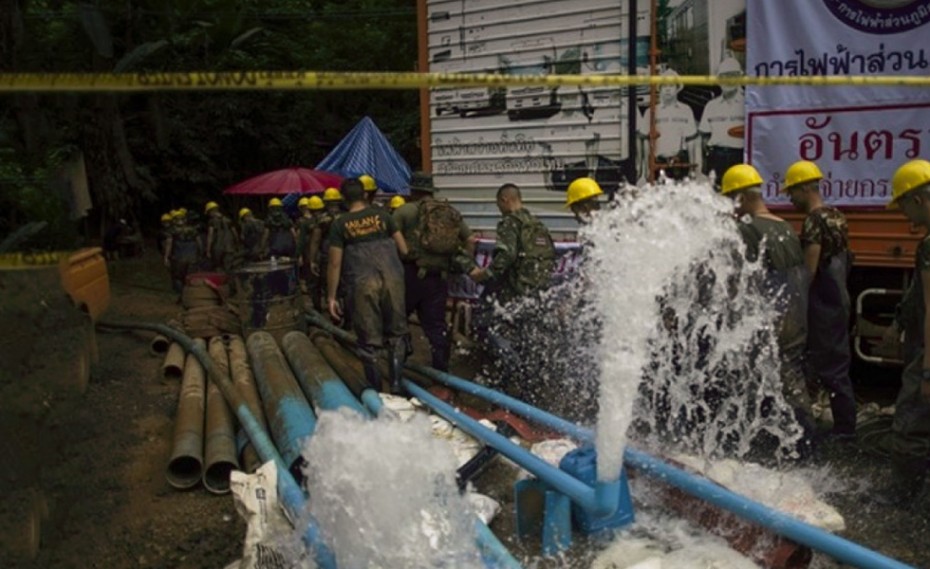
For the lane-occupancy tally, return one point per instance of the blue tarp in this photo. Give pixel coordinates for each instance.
(365, 150)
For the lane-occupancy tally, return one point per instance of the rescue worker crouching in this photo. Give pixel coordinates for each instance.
(825, 239)
(363, 252)
(440, 244)
(783, 262)
(910, 436)
(280, 237)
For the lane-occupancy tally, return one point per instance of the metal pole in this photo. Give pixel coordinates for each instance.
(631, 94)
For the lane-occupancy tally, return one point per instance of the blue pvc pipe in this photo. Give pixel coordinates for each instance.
(840, 549)
(291, 495)
(372, 401)
(320, 383)
(601, 500)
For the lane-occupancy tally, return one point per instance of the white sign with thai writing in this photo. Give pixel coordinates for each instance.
(858, 136)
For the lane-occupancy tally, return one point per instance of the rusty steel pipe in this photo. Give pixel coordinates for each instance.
(219, 439)
(343, 362)
(174, 364)
(286, 408)
(317, 378)
(244, 381)
(292, 497)
(185, 467)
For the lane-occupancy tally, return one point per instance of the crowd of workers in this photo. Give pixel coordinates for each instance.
(372, 266)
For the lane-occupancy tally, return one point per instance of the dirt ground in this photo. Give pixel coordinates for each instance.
(109, 506)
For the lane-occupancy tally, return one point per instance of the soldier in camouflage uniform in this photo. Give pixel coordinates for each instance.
(319, 237)
(182, 251)
(440, 244)
(825, 238)
(364, 246)
(221, 238)
(783, 261)
(311, 209)
(521, 267)
(251, 230)
(910, 438)
(280, 237)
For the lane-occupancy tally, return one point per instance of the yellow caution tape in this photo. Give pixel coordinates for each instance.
(313, 80)
(23, 260)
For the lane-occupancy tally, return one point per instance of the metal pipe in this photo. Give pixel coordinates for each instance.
(185, 467)
(287, 410)
(291, 495)
(841, 549)
(244, 381)
(173, 366)
(601, 500)
(349, 369)
(316, 377)
(219, 439)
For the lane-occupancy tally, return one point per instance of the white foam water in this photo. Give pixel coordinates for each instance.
(686, 338)
(384, 494)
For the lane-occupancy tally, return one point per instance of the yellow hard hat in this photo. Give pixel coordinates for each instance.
(244, 212)
(368, 183)
(176, 213)
(210, 206)
(332, 195)
(314, 203)
(303, 202)
(582, 189)
(275, 202)
(908, 177)
(396, 202)
(165, 217)
(182, 211)
(739, 177)
(801, 172)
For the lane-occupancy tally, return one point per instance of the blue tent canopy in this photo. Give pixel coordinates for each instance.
(365, 150)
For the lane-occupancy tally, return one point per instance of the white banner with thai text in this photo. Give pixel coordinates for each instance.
(858, 136)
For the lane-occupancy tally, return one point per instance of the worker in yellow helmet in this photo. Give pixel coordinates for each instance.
(371, 188)
(280, 237)
(396, 202)
(582, 198)
(783, 262)
(305, 224)
(251, 229)
(910, 437)
(183, 249)
(222, 240)
(319, 238)
(825, 241)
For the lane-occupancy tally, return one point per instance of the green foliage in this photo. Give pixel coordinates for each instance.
(149, 153)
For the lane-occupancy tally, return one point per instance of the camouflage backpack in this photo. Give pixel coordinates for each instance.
(536, 259)
(438, 228)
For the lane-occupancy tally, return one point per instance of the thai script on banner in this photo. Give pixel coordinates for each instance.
(461, 287)
(889, 144)
(844, 61)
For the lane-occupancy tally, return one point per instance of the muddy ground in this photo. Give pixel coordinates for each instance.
(103, 464)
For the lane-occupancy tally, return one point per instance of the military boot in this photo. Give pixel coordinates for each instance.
(397, 356)
(372, 374)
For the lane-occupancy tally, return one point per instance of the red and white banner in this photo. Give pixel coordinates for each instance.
(857, 135)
